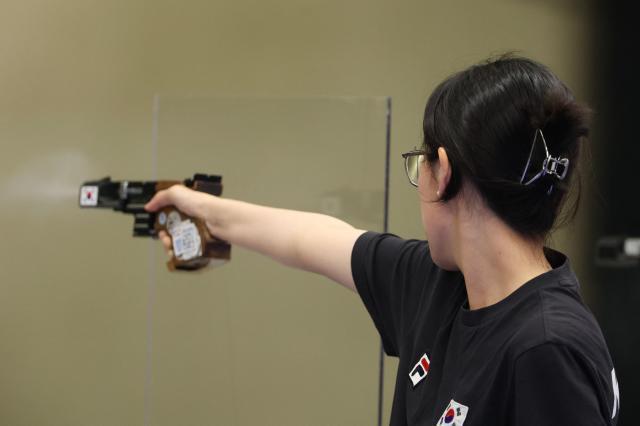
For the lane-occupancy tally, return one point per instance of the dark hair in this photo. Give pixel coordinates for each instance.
(486, 118)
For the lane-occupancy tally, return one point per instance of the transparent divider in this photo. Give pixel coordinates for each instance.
(253, 342)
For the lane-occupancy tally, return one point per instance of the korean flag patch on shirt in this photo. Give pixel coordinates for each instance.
(454, 415)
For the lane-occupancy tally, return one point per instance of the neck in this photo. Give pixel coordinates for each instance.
(494, 259)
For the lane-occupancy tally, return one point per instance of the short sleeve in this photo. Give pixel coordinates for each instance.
(389, 272)
(555, 386)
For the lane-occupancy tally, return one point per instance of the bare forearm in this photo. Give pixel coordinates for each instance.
(309, 241)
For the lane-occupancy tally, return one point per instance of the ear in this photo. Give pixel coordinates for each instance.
(443, 172)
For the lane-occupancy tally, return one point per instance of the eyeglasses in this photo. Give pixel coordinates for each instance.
(412, 160)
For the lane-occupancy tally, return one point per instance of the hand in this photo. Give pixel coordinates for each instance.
(166, 243)
(184, 199)
(192, 203)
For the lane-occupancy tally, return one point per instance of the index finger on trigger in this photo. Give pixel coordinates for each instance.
(159, 200)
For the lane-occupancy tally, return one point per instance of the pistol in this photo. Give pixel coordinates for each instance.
(193, 246)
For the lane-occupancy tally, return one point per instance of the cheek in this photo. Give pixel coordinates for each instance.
(434, 217)
(432, 223)
(437, 240)
(427, 183)
(428, 205)
(426, 213)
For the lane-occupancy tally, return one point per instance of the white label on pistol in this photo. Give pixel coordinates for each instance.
(89, 196)
(173, 220)
(186, 241)
(162, 218)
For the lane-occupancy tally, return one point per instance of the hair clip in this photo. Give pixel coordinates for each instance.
(558, 166)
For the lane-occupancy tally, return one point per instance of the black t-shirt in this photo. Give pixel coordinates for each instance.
(537, 357)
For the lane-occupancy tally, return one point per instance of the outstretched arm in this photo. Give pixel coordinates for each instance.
(309, 241)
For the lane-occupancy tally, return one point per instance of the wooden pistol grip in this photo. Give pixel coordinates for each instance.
(195, 247)
(166, 184)
(210, 247)
(207, 187)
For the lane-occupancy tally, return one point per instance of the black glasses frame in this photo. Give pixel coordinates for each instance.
(407, 156)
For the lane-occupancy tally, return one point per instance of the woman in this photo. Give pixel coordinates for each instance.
(489, 325)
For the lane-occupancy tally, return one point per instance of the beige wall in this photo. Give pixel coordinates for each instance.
(77, 80)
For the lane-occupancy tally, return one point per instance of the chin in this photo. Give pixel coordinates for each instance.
(441, 260)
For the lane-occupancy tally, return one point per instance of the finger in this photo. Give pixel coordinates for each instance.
(166, 242)
(170, 254)
(163, 198)
(184, 199)
(158, 201)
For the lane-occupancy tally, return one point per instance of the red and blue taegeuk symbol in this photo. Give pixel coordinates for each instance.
(448, 418)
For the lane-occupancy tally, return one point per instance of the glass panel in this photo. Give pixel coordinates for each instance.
(253, 342)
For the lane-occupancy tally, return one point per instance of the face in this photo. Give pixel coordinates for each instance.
(436, 216)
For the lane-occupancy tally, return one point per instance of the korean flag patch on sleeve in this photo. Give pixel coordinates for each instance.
(454, 415)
